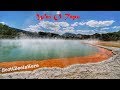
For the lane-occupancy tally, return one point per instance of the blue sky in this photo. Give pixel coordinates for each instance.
(90, 22)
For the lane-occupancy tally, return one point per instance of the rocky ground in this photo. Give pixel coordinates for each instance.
(108, 69)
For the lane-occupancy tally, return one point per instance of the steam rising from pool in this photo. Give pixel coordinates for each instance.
(40, 49)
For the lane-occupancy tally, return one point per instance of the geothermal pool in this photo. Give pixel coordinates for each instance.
(42, 49)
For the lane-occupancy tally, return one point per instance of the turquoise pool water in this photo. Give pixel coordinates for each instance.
(40, 49)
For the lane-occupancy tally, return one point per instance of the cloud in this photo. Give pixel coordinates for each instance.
(82, 23)
(3, 23)
(106, 28)
(116, 27)
(90, 32)
(63, 27)
(102, 31)
(78, 23)
(47, 25)
(68, 28)
(33, 28)
(53, 25)
(63, 24)
(58, 12)
(75, 24)
(93, 23)
(85, 32)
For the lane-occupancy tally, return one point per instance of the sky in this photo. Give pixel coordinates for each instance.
(78, 22)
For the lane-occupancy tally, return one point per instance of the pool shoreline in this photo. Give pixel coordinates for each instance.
(102, 55)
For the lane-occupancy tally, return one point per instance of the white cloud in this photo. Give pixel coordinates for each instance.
(62, 24)
(63, 27)
(103, 31)
(58, 12)
(116, 27)
(65, 31)
(47, 25)
(89, 32)
(75, 24)
(33, 28)
(3, 23)
(106, 28)
(53, 25)
(93, 23)
(68, 28)
(78, 23)
(70, 31)
(84, 31)
(82, 23)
